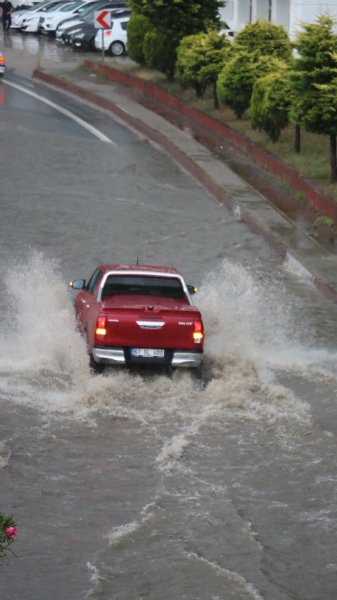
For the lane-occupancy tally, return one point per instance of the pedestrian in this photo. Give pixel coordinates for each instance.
(6, 14)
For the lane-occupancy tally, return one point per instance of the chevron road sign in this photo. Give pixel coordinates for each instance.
(103, 19)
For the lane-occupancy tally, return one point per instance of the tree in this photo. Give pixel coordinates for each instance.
(182, 16)
(171, 20)
(271, 101)
(265, 38)
(235, 83)
(252, 52)
(236, 80)
(200, 58)
(314, 82)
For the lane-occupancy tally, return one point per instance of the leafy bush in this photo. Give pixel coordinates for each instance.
(138, 26)
(236, 81)
(200, 57)
(184, 17)
(7, 535)
(271, 100)
(265, 38)
(160, 52)
(171, 20)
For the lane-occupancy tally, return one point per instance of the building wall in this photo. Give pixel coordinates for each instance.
(289, 13)
(308, 11)
(281, 13)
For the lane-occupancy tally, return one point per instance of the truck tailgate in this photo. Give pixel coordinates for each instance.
(157, 328)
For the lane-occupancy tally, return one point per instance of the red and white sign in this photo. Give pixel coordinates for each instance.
(103, 19)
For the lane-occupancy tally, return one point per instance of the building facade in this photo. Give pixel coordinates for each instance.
(289, 13)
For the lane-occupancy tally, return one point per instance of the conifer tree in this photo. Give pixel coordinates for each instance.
(314, 82)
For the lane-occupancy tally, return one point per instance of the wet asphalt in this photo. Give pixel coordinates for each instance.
(42, 58)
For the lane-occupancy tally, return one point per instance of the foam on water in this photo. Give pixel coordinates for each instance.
(250, 331)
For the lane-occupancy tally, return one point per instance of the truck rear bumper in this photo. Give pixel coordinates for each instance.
(116, 356)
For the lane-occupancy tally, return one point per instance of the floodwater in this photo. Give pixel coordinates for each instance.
(143, 486)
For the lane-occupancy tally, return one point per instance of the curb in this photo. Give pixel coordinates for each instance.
(199, 174)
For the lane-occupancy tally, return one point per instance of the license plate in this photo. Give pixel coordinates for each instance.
(147, 353)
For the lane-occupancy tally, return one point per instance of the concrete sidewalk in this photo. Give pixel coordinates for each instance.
(309, 259)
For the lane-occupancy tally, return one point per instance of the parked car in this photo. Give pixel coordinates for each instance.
(30, 23)
(83, 37)
(114, 40)
(64, 36)
(2, 65)
(139, 315)
(48, 24)
(19, 15)
(87, 13)
(227, 31)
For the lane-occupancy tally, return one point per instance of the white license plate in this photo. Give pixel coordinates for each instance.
(147, 353)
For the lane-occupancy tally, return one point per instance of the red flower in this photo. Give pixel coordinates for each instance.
(10, 533)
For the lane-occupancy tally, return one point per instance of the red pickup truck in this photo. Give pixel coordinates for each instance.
(139, 315)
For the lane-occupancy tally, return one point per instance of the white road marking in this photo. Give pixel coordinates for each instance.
(64, 111)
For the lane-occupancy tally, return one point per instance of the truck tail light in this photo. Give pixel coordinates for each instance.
(198, 334)
(101, 327)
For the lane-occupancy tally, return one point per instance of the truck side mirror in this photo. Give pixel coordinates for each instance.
(192, 289)
(77, 284)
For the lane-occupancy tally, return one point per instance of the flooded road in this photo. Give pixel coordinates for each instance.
(129, 487)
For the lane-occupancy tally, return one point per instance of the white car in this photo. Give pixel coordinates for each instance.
(19, 15)
(227, 31)
(30, 23)
(87, 13)
(114, 40)
(49, 23)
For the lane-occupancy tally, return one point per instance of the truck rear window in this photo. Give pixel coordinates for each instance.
(125, 285)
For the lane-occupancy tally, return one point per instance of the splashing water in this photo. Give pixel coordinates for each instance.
(44, 364)
(254, 324)
(247, 321)
(42, 332)
(40, 348)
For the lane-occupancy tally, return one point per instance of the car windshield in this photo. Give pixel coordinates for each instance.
(37, 7)
(85, 10)
(71, 6)
(139, 285)
(93, 6)
(53, 6)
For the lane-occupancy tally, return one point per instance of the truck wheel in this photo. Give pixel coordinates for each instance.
(95, 367)
(198, 372)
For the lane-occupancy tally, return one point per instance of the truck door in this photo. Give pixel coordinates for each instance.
(86, 300)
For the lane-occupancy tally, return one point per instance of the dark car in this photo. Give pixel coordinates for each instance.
(83, 37)
(67, 34)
